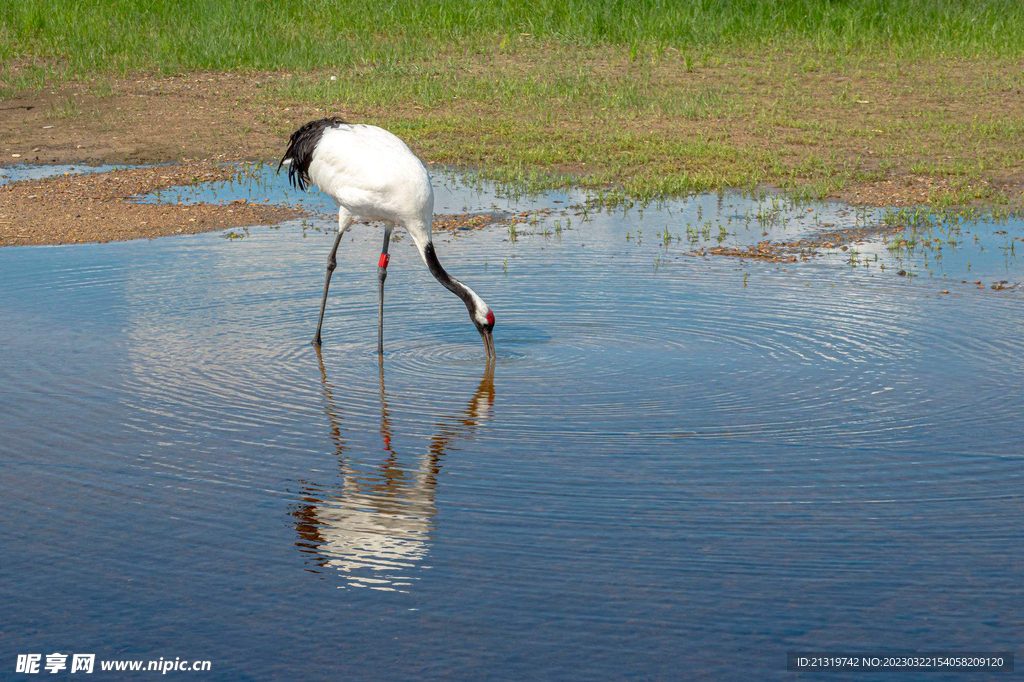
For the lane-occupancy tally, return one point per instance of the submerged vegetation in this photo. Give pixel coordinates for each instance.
(638, 97)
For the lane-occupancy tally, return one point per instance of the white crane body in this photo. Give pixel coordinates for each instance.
(373, 175)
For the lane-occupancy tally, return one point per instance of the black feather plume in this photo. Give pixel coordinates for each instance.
(300, 149)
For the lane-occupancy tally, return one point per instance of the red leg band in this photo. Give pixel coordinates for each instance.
(383, 262)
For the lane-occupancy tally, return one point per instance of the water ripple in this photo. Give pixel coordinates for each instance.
(675, 435)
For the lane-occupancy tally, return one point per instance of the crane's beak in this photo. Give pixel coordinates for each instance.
(488, 344)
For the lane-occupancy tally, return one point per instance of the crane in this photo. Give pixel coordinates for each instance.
(373, 175)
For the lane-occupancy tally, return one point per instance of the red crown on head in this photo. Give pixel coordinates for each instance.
(490, 318)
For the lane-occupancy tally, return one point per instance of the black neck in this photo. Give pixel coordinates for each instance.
(447, 281)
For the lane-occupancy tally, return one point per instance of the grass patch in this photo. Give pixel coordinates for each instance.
(18, 80)
(640, 96)
(197, 34)
(68, 109)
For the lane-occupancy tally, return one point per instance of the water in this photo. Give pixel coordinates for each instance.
(678, 463)
(23, 171)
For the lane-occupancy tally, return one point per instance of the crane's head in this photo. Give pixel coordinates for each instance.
(483, 318)
(479, 311)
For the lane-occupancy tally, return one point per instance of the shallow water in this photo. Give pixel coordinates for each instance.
(23, 171)
(677, 463)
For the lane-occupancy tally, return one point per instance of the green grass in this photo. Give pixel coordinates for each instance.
(637, 97)
(67, 109)
(448, 83)
(87, 36)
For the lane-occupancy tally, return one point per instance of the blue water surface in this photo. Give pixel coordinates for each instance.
(679, 466)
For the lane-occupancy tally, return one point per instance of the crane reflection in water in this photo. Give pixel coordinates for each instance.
(373, 524)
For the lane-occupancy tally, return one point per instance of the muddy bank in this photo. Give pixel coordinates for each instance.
(80, 207)
(864, 152)
(99, 207)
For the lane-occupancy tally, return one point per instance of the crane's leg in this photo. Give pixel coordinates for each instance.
(344, 222)
(382, 274)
